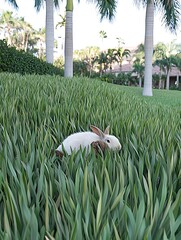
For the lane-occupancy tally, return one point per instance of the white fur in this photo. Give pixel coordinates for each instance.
(82, 140)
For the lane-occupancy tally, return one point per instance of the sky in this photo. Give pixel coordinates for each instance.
(128, 24)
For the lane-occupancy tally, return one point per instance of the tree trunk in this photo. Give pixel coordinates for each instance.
(68, 71)
(9, 36)
(160, 80)
(49, 31)
(149, 24)
(140, 81)
(90, 70)
(100, 70)
(26, 42)
(160, 83)
(177, 81)
(24, 37)
(168, 80)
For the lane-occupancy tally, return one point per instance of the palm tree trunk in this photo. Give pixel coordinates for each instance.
(160, 80)
(26, 42)
(9, 36)
(100, 71)
(140, 81)
(49, 31)
(160, 83)
(177, 81)
(168, 80)
(68, 69)
(24, 37)
(149, 24)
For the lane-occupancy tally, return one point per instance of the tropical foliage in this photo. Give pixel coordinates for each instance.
(102, 61)
(21, 34)
(134, 194)
(166, 57)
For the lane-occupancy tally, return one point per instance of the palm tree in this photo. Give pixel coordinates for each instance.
(25, 32)
(112, 57)
(165, 58)
(171, 13)
(103, 62)
(8, 23)
(121, 54)
(68, 68)
(139, 53)
(139, 63)
(106, 10)
(177, 63)
(49, 25)
(138, 68)
(120, 41)
(149, 23)
(102, 35)
(88, 56)
(40, 36)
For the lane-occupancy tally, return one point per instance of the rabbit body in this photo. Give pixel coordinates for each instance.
(78, 140)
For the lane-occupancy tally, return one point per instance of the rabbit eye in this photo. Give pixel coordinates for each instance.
(108, 141)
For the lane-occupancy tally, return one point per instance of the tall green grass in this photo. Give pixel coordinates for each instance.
(132, 195)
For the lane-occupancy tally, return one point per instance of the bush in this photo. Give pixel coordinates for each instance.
(123, 79)
(14, 61)
(108, 77)
(80, 68)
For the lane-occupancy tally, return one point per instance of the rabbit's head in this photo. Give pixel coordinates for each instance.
(111, 141)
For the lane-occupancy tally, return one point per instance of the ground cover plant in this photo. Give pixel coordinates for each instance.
(135, 194)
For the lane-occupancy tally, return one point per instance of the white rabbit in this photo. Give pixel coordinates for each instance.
(82, 140)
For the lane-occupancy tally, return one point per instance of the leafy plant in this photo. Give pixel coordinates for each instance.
(134, 194)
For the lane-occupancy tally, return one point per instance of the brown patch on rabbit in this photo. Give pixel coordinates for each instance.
(59, 154)
(99, 147)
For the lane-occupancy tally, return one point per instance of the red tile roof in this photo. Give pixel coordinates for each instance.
(128, 68)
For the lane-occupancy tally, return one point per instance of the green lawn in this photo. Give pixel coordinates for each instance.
(163, 98)
(135, 194)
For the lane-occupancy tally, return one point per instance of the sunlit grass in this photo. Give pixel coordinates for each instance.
(162, 97)
(132, 195)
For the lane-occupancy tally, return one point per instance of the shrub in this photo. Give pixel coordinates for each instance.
(14, 61)
(108, 77)
(80, 68)
(124, 79)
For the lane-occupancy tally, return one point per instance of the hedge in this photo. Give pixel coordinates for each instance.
(15, 61)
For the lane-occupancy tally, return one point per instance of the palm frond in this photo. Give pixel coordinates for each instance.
(56, 3)
(13, 3)
(107, 8)
(171, 10)
(38, 4)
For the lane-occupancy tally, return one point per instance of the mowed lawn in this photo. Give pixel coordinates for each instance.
(135, 194)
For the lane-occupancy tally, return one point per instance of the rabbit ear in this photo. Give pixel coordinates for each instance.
(97, 131)
(106, 131)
